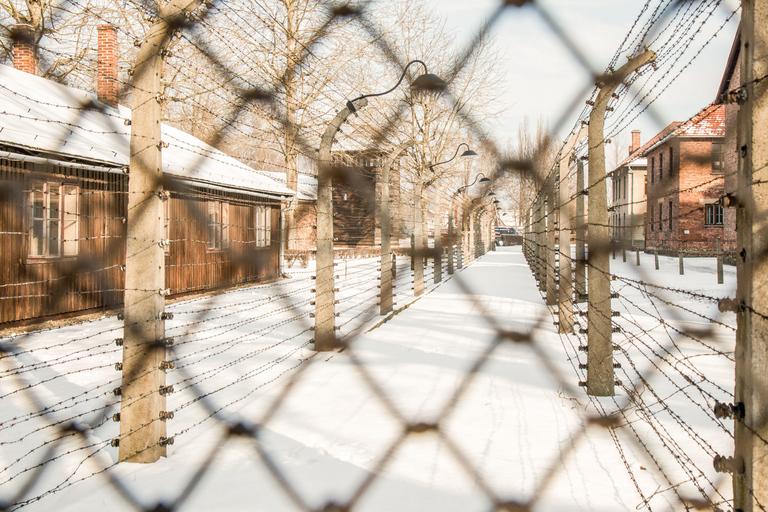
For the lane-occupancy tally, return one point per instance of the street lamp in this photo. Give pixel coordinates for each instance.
(426, 82)
(482, 180)
(450, 220)
(325, 316)
(466, 154)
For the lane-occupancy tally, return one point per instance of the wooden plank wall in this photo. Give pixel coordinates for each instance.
(39, 288)
(191, 267)
(32, 289)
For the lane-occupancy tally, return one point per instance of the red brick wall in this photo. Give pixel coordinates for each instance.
(689, 184)
(107, 86)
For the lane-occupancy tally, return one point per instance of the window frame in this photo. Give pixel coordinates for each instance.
(714, 212)
(718, 157)
(661, 215)
(651, 215)
(661, 166)
(218, 227)
(670, 215)
(262, 226)
(67, 222)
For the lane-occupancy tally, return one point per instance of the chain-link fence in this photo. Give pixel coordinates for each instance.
(228, 281)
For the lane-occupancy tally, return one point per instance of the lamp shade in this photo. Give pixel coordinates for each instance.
(428, 82)
(468, 154)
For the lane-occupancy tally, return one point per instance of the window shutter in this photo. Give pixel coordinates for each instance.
(69, 232)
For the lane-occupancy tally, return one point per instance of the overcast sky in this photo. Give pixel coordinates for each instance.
(544, 77)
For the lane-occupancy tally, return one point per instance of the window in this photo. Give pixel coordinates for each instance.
(718, 158)
(218, 225)
(713, 216)
(263, 226)
(625, 186)
(53, 220)
(650, 215)
(624, 224)
(653, 161)
(661, 216)
(670, 215)
(661, 166)
(670, 161)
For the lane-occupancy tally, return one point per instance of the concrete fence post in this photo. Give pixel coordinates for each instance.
(387, 268)
(551, 262)
(460, 237)
(540, 238)
(438, 238)
(567, 211)
(394, 269)
(451, 234)
(719, 260)
(600, 373)
(751, 353)
(417, 246)
(143, 389)
(580, 270)
(325, 315)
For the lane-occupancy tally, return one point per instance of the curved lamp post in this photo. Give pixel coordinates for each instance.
(476, 231)
(600, 372)
(385, 302)
(325, 316)
(450, 222)
(438, 237)
(466, 154)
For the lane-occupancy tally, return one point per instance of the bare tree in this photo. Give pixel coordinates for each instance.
(438, 123)
(534, 155)
(63, 34)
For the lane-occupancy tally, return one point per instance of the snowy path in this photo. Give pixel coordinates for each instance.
(506, 431)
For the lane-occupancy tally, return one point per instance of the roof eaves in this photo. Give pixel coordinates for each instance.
(694, 120)
(730, 68)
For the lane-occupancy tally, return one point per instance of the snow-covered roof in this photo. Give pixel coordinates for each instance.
(708, 122)
(307, 184)
(637, 157)
(42, 116)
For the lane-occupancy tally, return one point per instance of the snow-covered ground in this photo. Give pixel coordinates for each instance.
(430, 410)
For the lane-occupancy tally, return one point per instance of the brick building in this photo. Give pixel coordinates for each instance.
(685, 182)
(628, 197)
(727, 96)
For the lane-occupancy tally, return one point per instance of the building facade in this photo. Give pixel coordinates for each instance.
(685, 186)
(64, 173)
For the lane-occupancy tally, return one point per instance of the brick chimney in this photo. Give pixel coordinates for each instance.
(24, 55)
(635, 141)
(107, 86)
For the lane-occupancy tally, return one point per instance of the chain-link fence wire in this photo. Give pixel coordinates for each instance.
(658, 371)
